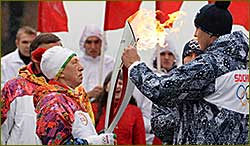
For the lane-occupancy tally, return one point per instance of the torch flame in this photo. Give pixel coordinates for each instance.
(172, 18)
(149, 30)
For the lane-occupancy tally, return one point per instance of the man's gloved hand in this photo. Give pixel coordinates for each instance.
(102, 139)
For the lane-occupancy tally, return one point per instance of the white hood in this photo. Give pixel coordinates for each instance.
(170, 46)
(91, 30)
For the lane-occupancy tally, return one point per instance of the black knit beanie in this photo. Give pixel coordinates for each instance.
(215, 19)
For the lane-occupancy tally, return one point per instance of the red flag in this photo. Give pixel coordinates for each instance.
(117, 12)
(240, 12)
(167, 7)
(51, 17)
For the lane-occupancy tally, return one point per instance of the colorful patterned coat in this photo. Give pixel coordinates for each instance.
(197, 121)
(55, 105)
(18, 117)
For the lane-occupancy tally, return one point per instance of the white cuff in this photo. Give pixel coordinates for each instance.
(132, 65)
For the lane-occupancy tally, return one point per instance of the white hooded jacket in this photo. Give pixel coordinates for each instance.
(168, 46)
(90, 64)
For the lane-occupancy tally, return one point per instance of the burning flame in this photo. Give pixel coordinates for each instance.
(149, 30)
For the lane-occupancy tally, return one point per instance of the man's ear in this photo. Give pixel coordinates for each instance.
(62, 75)
(17, 42)
(213, 38)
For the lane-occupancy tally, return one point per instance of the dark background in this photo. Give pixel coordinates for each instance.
(14, 15)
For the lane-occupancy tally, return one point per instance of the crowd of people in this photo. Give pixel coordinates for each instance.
(52, 96)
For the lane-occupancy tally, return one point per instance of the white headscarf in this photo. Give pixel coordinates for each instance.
(91, 30)
(54, 60)
(170, 46)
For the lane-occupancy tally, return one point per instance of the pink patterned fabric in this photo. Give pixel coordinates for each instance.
(24, 84)
(55, 106)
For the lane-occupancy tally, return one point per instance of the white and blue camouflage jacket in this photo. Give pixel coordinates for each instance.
(182, 97)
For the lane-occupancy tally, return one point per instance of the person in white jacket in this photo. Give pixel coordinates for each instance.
(18, 118)
(11, 62)
(90, 44)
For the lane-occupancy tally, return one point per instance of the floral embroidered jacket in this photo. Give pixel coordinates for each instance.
(18, 117)
(24, 84)
(55, 105)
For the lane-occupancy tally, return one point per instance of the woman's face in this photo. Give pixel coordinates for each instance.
(118, 90)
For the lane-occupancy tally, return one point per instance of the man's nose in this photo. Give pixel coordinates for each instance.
(195, 33)
(93, 45)
(81, 68)
(29, 44)
(166, 56)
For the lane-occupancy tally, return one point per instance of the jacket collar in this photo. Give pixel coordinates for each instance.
(16, 57)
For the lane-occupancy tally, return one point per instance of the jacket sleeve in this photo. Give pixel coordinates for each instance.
(139, 134)
(164, 121)
(8, 124)
(3, 73)
(191, 81)
(54, 125)
(7, 96)
(51, 125)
